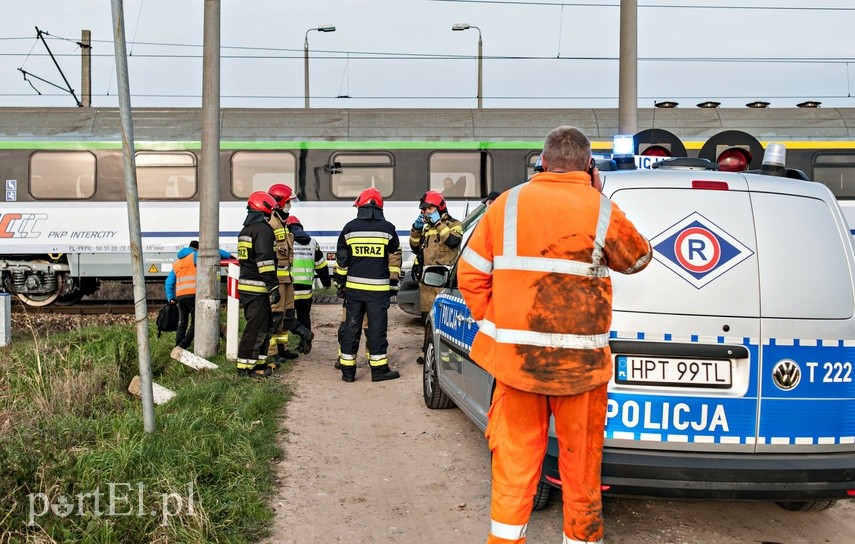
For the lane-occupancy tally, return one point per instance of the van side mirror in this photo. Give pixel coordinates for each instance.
(436, 275)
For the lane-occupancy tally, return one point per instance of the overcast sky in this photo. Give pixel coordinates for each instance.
(402, 53)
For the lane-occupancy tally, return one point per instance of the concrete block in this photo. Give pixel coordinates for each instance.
(160, 394)
(191, 359)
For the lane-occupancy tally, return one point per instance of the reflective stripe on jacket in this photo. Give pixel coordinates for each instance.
(256, 256)
(368, 257)
(284, 249)
(185, 275)
(535, 275)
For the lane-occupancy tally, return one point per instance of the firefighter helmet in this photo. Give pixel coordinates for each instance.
(282, 194)
(261, 201)
(432, 198)
(369, 196)
(292, 220)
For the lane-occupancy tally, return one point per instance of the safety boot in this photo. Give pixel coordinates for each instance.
(382, 373)
(285, 353)
(260, 371)
(306, 337)
(348, 373)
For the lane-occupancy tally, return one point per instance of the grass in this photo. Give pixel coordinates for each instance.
(72, 445)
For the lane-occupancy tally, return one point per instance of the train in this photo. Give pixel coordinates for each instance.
(64, 226)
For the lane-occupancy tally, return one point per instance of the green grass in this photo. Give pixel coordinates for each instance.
(68, 428)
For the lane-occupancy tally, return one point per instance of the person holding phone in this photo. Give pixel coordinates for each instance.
(535, 275)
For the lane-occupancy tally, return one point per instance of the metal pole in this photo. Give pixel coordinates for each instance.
(207, 317)
(628, 70)
(140, 307)
(306, 69)
(480, 71)
(86, 68)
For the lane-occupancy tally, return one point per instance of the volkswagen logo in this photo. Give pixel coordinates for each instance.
(786, 374)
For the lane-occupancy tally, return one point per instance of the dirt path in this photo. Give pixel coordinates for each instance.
(369, 463)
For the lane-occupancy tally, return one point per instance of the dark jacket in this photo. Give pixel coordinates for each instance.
(368, 256)
(256, 256)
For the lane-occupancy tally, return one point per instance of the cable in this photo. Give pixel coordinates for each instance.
(646, 6)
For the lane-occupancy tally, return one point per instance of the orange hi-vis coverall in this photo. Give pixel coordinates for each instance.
(535, 276)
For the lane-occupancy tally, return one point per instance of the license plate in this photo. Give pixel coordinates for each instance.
(672, 372)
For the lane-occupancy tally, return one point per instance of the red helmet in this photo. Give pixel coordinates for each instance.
(282, 193)
(260, 201)
(292, 220)
(369, 196)
(432, 198)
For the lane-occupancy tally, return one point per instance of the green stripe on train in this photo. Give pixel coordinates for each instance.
(267, 145)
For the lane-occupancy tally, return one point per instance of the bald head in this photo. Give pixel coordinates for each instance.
(566, 149)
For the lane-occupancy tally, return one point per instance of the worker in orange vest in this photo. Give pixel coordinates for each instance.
(181, 290)
(535, 275)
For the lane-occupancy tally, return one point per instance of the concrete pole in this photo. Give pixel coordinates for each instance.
(306, 70)
(135, 236)
(628, 71)
(480, 71)
(207, 317)
(86, 68)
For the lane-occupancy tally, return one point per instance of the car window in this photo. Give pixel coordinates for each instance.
(469, 223)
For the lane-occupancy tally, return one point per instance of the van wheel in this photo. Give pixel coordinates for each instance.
(806, 506)
(435, 397)
(542, 496)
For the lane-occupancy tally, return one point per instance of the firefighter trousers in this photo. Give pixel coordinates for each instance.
(517, 431)
(375, 333)
(256, 309)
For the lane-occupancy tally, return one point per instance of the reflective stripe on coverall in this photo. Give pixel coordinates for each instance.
(544, 313)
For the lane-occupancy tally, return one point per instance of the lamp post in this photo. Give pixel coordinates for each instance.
(306, 57)
(464, 26)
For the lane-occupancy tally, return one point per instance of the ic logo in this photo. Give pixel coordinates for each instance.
(786, 374)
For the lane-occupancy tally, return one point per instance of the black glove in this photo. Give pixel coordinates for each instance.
(275, 296)
(339, 292)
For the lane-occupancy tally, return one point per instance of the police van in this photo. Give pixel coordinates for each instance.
(733, 350)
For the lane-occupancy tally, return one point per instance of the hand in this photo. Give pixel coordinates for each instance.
(275, 297)
(419, 223)
(434, 217)
(173, 301)
(596, 181)
(339, 292)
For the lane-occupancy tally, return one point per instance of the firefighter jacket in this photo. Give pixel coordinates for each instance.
(284, 248)
(256, 256)
(368, 256)
(535, 275)
(437, 244)
(309, 260)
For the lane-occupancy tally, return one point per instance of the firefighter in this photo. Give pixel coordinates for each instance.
(284, 315)
(309, 261)
(368, 267)
(435, 239)
(535, 275)
(257, 284)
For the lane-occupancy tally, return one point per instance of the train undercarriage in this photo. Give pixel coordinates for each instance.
(41, 281)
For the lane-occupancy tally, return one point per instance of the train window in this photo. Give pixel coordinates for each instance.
(258, 170)
(837, 172)
(354, 172)
(62, 174)
(461, 174)
(169, 176)
(530, 161)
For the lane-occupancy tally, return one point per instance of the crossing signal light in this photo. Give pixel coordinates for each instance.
(656, 142)
(733, 151)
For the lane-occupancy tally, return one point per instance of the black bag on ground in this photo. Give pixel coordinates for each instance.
(167, 319)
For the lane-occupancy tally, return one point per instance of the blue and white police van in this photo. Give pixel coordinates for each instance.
(733, 351)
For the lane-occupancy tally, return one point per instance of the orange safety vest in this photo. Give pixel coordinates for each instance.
(185, 275)
(535, 275)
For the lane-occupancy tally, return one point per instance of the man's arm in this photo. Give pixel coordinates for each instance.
(475, 270)
(627, 251)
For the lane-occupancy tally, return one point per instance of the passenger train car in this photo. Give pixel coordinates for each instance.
(63, 221)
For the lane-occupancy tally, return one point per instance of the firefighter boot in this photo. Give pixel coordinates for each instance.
(285, 353)
(306, 337)
(348, 373)
(382, 373)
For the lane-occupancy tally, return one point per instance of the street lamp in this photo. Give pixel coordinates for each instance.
(306, 57)
(464, 26)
